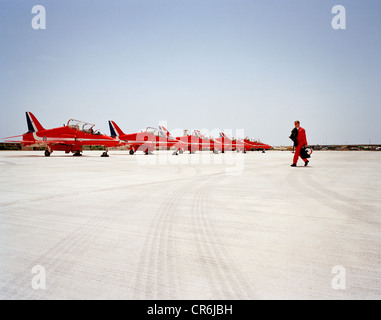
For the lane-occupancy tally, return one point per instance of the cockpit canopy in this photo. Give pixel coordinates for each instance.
(83, 126)
(156, 132)
(197, 133)
(253, 140)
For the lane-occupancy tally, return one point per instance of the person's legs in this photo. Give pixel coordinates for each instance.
(296, 154)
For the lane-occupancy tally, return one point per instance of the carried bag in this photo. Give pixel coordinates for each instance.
(305, 153)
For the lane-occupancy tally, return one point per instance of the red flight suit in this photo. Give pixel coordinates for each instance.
(302, 141)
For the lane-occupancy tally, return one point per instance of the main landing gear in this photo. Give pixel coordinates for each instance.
(105, 154)
(77, 154)
(179, 151)
(47, 153)
(132, 152)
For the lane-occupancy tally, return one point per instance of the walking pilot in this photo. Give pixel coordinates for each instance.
(300, 141)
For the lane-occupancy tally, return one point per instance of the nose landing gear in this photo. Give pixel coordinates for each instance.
(105, 154)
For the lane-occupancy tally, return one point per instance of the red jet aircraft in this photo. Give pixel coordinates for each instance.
(69, 138)
(146, 141)
(195, 142)
(232, 144)
(257, 145)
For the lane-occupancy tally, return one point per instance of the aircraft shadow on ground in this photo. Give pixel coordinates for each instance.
(42, 156)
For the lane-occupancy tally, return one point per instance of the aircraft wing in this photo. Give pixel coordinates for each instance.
(43, 143)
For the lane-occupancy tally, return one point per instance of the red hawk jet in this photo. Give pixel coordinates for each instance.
(146, 141)
(233, 144)
(195, 142)
(69, 138)
(257, 145)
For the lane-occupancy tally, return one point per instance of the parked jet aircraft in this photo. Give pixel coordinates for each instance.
(229, 144)
(146, 141)
(195, 142)
(257, 145)
(69, 138)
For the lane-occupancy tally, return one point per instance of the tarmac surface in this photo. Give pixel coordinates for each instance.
(203, 226)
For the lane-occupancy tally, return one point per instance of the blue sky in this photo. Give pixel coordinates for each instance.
(237, 64)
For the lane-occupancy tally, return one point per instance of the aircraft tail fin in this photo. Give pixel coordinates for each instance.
(198, 133)
(165, 131)
(33, 124)
(115, 130)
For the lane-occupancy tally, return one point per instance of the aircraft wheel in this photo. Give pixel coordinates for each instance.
(181, 151)
(132, 152)
(104, 155)
(77, 154)
(263, 151)
(47, 153)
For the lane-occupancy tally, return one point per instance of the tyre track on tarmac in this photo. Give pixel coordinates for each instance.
(157, 274)
(60, 258)
(224, 276)
(84, 192)
(157, 268)
(61, 254)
